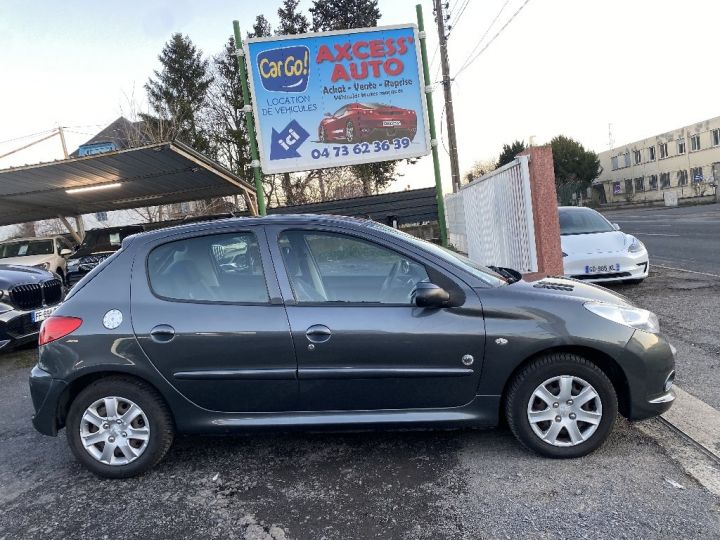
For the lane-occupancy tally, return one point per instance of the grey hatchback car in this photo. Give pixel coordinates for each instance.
(310, 322)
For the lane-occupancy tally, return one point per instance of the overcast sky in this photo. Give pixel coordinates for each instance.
(561, 67)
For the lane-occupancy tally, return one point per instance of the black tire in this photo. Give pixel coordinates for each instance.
(523, 386)
(321, 134)
(160, 421)
(351, 136)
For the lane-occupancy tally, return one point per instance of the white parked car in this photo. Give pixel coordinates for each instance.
(596, 250)
(46, 253)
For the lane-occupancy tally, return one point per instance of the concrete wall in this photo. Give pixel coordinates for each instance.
(707, 159)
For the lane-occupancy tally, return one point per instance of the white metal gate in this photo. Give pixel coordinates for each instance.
(491, 218)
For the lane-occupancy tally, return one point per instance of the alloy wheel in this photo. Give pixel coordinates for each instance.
(114, 430)
(564, 411)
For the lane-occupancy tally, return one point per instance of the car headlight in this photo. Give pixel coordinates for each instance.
(641, 319)
(42, 266)
(636, 246)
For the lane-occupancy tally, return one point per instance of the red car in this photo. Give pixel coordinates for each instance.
(357, 122)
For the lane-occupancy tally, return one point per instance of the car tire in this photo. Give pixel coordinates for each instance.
(156, 416)
(542, 436)
(321, 134)
(350, 132)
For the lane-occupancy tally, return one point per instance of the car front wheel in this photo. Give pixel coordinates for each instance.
(119, 427)
(561, 406)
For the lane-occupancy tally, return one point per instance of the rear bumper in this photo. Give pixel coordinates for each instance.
(649, 364)
(45, 393)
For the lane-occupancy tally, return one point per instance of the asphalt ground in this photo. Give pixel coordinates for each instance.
(425, 485)
(686, 237)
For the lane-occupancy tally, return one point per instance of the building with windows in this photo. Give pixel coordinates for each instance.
(684, 163)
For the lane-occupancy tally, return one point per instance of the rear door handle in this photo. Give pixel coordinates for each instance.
(162, 333)
(318, 333)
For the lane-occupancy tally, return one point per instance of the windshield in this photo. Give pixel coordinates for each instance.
(582, 221)
(482, 272)
(26, 248)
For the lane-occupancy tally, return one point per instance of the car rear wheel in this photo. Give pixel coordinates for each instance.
(350, 132)
(321, 134)
(561, 406)
(119, 427)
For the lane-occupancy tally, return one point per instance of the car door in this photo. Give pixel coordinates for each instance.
(360, 342)
(206, 310)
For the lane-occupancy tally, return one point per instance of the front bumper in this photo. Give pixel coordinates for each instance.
(17, 328)
(46, 393)
(649, 365)
(607, 267)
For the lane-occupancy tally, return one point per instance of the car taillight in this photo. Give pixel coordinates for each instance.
(57, 327)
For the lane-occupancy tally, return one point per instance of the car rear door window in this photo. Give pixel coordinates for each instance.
(330, 267)
(215, 268)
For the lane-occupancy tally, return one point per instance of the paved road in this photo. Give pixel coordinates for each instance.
(685, 237)
(411, 485)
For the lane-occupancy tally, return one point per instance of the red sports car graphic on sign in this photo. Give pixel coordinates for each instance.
(367, 122)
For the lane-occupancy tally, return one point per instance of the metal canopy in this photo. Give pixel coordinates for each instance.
(161, 173)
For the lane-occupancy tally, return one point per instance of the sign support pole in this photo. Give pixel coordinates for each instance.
(431, 122)
(249, 121)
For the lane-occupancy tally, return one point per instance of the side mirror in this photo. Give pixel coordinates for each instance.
(65, 252)
(429, 295)
(616, 226)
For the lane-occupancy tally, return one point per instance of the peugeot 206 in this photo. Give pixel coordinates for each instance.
(310, 322)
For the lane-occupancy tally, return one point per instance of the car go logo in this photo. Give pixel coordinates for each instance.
(284, 70)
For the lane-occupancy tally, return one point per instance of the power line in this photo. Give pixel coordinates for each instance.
(482, 38)
(27, 136)
(454, 22)
(468, 63)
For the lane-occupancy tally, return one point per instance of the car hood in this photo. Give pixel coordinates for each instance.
(567, 288)
(585, 244)
(11, 275)
(28, 260)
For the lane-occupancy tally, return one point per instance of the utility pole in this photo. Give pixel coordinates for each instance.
(62, 141)
(440, 18)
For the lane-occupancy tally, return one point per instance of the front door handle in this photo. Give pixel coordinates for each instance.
(162, 333)
(318, 333)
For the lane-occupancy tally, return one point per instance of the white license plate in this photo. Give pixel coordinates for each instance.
(602, 268)
(391, 123)
(42, 314)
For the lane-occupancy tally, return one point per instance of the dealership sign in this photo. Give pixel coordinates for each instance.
(338, 98)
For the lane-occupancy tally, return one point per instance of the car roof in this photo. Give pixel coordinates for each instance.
(27, 239)
(276, 219)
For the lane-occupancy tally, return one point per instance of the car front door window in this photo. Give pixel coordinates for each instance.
(329, 267)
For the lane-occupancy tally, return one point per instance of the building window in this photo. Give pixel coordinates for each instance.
(628, 186)
(716, 137)
(682, 178)
(695, 143)
(653, 181)
(680, 146)
(617, 188)
(665, 180)
(697, 174)
(640, 184)
(101, 216)
(638, 156)
(614, 162)
(663, 150)
(651, 153)
(627, 159)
